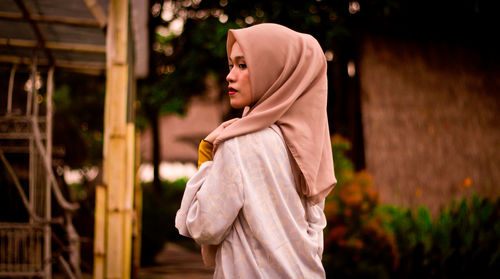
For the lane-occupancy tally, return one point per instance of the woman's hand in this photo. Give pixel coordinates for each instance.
(204, 152)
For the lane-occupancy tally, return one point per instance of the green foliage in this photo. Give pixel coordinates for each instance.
(463, 241)
(180, 62)
(78, 118)
(474, 225)
(343, 165)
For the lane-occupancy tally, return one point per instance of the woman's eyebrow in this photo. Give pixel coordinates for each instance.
(236, 59)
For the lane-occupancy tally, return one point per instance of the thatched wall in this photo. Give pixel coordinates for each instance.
(431, 120)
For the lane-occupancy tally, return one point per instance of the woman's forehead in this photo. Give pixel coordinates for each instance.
(236, 52)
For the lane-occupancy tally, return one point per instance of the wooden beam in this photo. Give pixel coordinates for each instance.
(81, 65)
(91, 68)
(54, 45)
(18, 136)
(36, 29)
(51, 19)
(96, 11)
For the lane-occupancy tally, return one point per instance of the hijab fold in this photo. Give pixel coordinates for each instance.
(289, 88)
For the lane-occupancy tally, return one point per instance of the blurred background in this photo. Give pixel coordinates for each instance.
(413, 106)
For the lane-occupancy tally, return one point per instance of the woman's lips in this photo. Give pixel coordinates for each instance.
(232, 91)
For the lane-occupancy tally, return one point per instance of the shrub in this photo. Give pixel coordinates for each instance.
(356, 243)
(364, 239)
(462, 242)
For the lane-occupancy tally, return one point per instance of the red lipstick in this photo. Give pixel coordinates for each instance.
(232, 91)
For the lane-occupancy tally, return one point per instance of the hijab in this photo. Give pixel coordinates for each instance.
(289, 88)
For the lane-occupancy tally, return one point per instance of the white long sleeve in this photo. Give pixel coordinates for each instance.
(246, 201)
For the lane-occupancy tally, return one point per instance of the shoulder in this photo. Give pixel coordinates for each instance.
(259, 141)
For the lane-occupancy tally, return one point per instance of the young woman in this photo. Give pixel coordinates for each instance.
(260, 200)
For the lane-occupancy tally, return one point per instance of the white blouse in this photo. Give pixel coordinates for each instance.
(246, 201)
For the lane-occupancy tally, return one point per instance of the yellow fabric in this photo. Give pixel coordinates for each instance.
(204, 152)
(207, 251)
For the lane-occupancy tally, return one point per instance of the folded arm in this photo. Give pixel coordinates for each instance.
(212, 199)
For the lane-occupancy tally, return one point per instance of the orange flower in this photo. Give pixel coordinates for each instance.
(372, 195)
(418, 192)
(338, 139)
(365, 206)
(352, 195)
(355, 243)
(341, 242)
(338, 234)
(331, 208)
(466, 183)
(364, 178)
(348, 212)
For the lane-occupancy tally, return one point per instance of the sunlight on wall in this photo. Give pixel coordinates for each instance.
(72, 176)
(170, 171)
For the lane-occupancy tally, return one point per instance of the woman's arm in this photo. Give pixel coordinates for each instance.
(213, 198)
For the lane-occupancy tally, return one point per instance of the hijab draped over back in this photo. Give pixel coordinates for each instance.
(289, 88)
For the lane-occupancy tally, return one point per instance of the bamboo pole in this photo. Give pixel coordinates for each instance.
(48, 192)
(129, 199)
(117, 169)
(11, 88)
(30, 111)
(30, 92)
(34, 89)
(137, 231)
(100, 232)
(131, 144)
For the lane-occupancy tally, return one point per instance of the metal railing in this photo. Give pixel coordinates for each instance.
(25, 248)
(21, 250)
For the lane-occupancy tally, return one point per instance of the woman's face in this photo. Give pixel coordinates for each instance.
(240, 93)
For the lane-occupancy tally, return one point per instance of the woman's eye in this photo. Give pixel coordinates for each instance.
(242, 66)
(230, 66)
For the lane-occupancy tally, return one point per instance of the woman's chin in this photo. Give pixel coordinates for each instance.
(236, 105)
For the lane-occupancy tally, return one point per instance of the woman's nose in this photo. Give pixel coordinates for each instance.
(230, 76)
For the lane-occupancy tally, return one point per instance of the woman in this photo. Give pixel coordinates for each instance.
(260, 200)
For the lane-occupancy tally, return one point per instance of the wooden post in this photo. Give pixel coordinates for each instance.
(119, 144)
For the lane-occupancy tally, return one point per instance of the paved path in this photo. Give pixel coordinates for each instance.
(174, 262)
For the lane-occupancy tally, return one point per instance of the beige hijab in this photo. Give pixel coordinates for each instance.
(289, 88)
